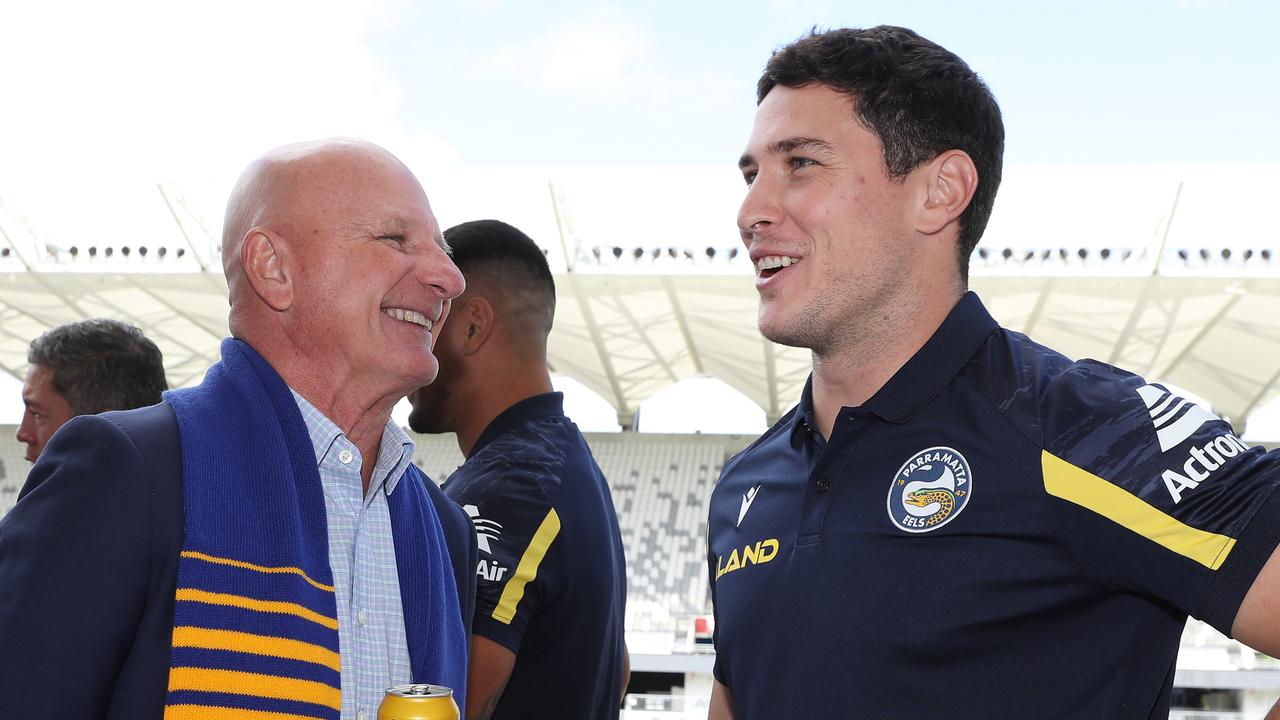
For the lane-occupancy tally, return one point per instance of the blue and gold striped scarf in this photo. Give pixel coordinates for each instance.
(255, 624)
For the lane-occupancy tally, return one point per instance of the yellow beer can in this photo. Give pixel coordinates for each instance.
(418, 702)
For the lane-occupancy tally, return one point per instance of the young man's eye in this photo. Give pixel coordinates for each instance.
(749, 176)
(800, 162)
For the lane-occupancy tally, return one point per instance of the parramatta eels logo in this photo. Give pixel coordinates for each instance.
(930, 490)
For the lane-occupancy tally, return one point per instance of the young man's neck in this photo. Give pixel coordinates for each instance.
(487, 403)
(848, 374)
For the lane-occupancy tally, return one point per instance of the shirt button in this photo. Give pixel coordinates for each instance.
(360, 617)
(345, 457)
(823, 485)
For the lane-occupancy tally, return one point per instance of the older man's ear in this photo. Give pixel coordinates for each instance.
(264, 257)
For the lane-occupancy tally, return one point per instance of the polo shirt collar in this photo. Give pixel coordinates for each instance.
(931, 369)
(531, 408)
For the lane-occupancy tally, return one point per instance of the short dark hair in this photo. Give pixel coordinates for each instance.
(511, 259)
(917, 97)
(101, 365)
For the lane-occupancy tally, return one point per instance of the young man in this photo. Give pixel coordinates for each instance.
(955, 521)
(548, 632)
(260, 545)
(84, 368)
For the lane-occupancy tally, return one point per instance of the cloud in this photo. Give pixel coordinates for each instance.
(592, 53)
(800, 8)
(104, 96)
(603, 57)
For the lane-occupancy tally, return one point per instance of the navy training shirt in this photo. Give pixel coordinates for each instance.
(999, 532)
(551, 582)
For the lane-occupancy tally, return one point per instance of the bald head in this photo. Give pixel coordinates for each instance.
(337, 270)
(297, 190)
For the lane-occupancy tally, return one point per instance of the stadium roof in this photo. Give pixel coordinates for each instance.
(1163, 270)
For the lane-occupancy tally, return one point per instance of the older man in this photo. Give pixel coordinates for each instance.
(84, 368)
(260, 545)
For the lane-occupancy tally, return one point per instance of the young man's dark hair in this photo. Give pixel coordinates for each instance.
(918, 98)
(100, 365)
(495, 250)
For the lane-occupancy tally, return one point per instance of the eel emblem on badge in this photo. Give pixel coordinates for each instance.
(930, 490)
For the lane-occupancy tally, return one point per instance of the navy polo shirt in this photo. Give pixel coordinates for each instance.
(551, 582)
(999, 532)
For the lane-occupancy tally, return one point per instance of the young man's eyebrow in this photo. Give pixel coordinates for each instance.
(787, 145)
(792, 144)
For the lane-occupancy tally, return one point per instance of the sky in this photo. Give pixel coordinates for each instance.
(142, 91)
(105, 99)
(104, 96)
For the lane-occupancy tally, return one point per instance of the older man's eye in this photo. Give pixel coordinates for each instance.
(397, 239)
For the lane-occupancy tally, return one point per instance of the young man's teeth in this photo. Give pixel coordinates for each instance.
(412, 316)
(771, 262)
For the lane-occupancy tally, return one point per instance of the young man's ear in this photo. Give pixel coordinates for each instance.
(949, 182)
(477, 320)
(264, 257)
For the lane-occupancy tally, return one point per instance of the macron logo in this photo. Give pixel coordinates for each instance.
(1173, 426)
(747, 498)
(486, 530)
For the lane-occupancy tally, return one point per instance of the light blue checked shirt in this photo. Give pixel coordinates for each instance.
(373, 649)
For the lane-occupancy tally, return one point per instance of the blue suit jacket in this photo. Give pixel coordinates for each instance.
(88, 566)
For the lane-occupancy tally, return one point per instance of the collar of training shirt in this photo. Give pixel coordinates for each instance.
(531, 408)
(931, 369)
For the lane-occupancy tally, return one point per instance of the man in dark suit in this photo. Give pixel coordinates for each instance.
(260, 543)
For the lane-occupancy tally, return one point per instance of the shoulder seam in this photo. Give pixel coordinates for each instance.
(1039, 445)
(1035, 442)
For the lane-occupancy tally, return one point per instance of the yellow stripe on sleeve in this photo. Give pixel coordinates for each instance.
(234, 641)
(248, 603)
(210, 712)
(255, 685)
(1073, 484)
(192, 554)
(527, 570)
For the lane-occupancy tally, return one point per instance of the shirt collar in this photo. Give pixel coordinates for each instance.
(395, 451)
(531, 408)
(931, 369)
(394, 454)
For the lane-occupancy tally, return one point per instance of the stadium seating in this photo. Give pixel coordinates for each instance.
(660, 490)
